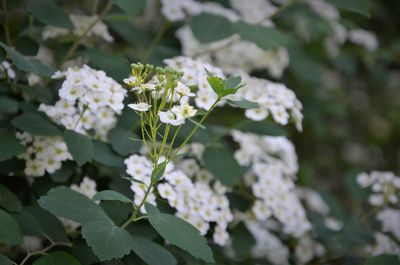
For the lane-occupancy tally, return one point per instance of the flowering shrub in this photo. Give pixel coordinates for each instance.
(198, 132)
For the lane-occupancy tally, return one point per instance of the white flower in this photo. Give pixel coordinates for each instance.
(185, 111)
(141, 106)
(171, 118)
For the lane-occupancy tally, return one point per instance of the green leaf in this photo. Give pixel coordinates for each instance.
(242, 241)
(104, 155)
(67, 203)
(8, 105)
(64, 173)
(180, 233)
(216, 83)
(131, 7)
(158, 171)
(220, 162)
(57, 258)
(110, 195)
(9, 201)
(114, 64)
(80, 147)
(36, 124)
(10, 232)
(120, 141)
(362, 7)
(152, 253)
(50, 224)
(208, 28)
(382, 260)
(107, 240)
(28, 223)
(27, 65)
(48, 12)
(265, 37)
(243, 104)
(232, 82)
(5, 261)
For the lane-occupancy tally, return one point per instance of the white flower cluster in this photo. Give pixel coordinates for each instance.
(81, 23)
(273, 163)
(89, 101)
(364, 38)
(194, 200)
(307, 249)
(87, 187)
(385, 187)
(43, 154)
(6, 71)
(194, 74)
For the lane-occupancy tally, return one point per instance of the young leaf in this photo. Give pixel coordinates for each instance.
(10, 232)
(67, 203)
(179, 233)
(107, 240)
(110, 195)
(80, 147)
(158, 172)
(57, 257)
(49, 13)
(243, 104)
(27, 65)
(36, 124)
(9, 201)
(232, 82)
(152, 253)
(220, 162)
(216, 83)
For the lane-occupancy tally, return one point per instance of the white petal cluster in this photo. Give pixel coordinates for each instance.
(194, 74)
(385, 187)
(259, 12)
(364, 38)
(273, 163)
(390, 221)
(43, 154)
(383, 245)
(273, 98)
(89, 101)
(6, 71)
(81, 23)
(307, 249)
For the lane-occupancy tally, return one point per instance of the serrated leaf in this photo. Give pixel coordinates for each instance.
(67, 203)
(110, 195)
(80, 146)
(10, 232)
(57, 258)
(107, 240)
(8, 105)
(27, 65)
(243, 104)
(131, 8)
(179, 233)
(5, 261)
(8, 200)
(152, 253)
(50, 13)
(36, 124)
(220, 162)
(208, 27)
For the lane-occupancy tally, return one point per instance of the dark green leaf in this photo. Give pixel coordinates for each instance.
(36, 124)
(83, 252)
(49, 13)
(362, 7)
(131, 8)
(110, 195)
(158, 171)
(152, 253)
(28, 223)
(242, 241)
(8, 105)
(27, 65)
(265, 37)
(10, 232)
(105, 155)
(208, 28)
(107, 240)
(244, 104)
(383, 260)
(67, 203)
(114, 64)
(9, 201)
(64, 172)
(5, 261)
(179, 233)
(121, 143)
(57, 258)
(220, 162)
(80, 146)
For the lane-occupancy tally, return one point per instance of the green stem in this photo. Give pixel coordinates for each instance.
(43, 251)
(6, 29)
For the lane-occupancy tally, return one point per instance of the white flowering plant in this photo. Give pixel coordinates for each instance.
(237, 136)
